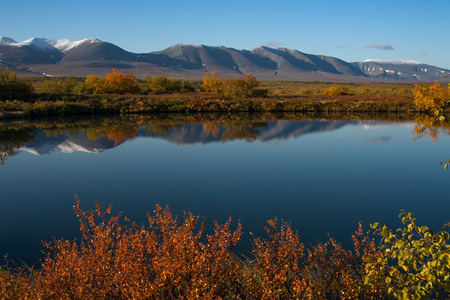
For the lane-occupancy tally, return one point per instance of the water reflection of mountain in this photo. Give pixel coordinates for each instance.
(271, 131)
(188, 134)
(62, 143)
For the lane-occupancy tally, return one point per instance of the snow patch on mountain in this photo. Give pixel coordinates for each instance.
(63, 45)
(43, 44)
(394, 62)
(66, 45)
(6, 40)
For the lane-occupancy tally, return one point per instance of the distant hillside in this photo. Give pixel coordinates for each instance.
(38, 56)
(401, 70)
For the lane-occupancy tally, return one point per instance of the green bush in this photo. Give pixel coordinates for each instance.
(12, 88)
(416, 260)
(60, 86)
(162, 84)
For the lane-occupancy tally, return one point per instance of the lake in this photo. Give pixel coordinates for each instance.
(322, 175)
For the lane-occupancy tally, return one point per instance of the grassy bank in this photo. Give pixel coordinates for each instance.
(206, 102)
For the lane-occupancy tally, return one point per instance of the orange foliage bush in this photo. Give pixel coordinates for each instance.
(120, 83)
(114, 83)
(171, 259)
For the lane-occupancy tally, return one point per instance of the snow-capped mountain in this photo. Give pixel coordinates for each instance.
(63, 45)
(91, 56)
(404, 70)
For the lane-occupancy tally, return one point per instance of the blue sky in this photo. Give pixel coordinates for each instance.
(350, 30)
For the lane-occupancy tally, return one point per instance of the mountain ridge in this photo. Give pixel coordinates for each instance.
(38, 56)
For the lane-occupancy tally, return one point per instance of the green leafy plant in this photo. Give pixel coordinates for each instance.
(415, 261)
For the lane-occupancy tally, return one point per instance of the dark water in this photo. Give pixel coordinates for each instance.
(321, 175)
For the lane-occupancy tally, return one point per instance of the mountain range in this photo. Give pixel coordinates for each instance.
(39, 56)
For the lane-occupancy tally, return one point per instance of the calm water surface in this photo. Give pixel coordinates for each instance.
(322, 176)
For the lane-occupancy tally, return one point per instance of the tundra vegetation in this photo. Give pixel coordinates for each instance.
(124, 93)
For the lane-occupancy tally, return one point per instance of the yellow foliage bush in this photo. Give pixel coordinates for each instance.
(336, 90)
(432, 96)
(94, 85)
(364, 90)
(246, 87)
(212, 83)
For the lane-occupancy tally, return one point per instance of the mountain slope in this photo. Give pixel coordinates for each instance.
(401, 70)
(92, 56)
(94, 50)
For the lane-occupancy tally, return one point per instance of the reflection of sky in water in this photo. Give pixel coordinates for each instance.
(322, 182)
(381, 139)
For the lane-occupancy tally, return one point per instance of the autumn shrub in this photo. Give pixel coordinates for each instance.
(164, 260)
(120, 83)
(172, 259)
(246, 87)
(309, 90)
(11, 88)
(114, 83)
(284, 268)
(404, 91)
(336, 90)
(93, 84)
(242, 87)
(364, 90)
(431, 97)
(16, 283)
(212, 83)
